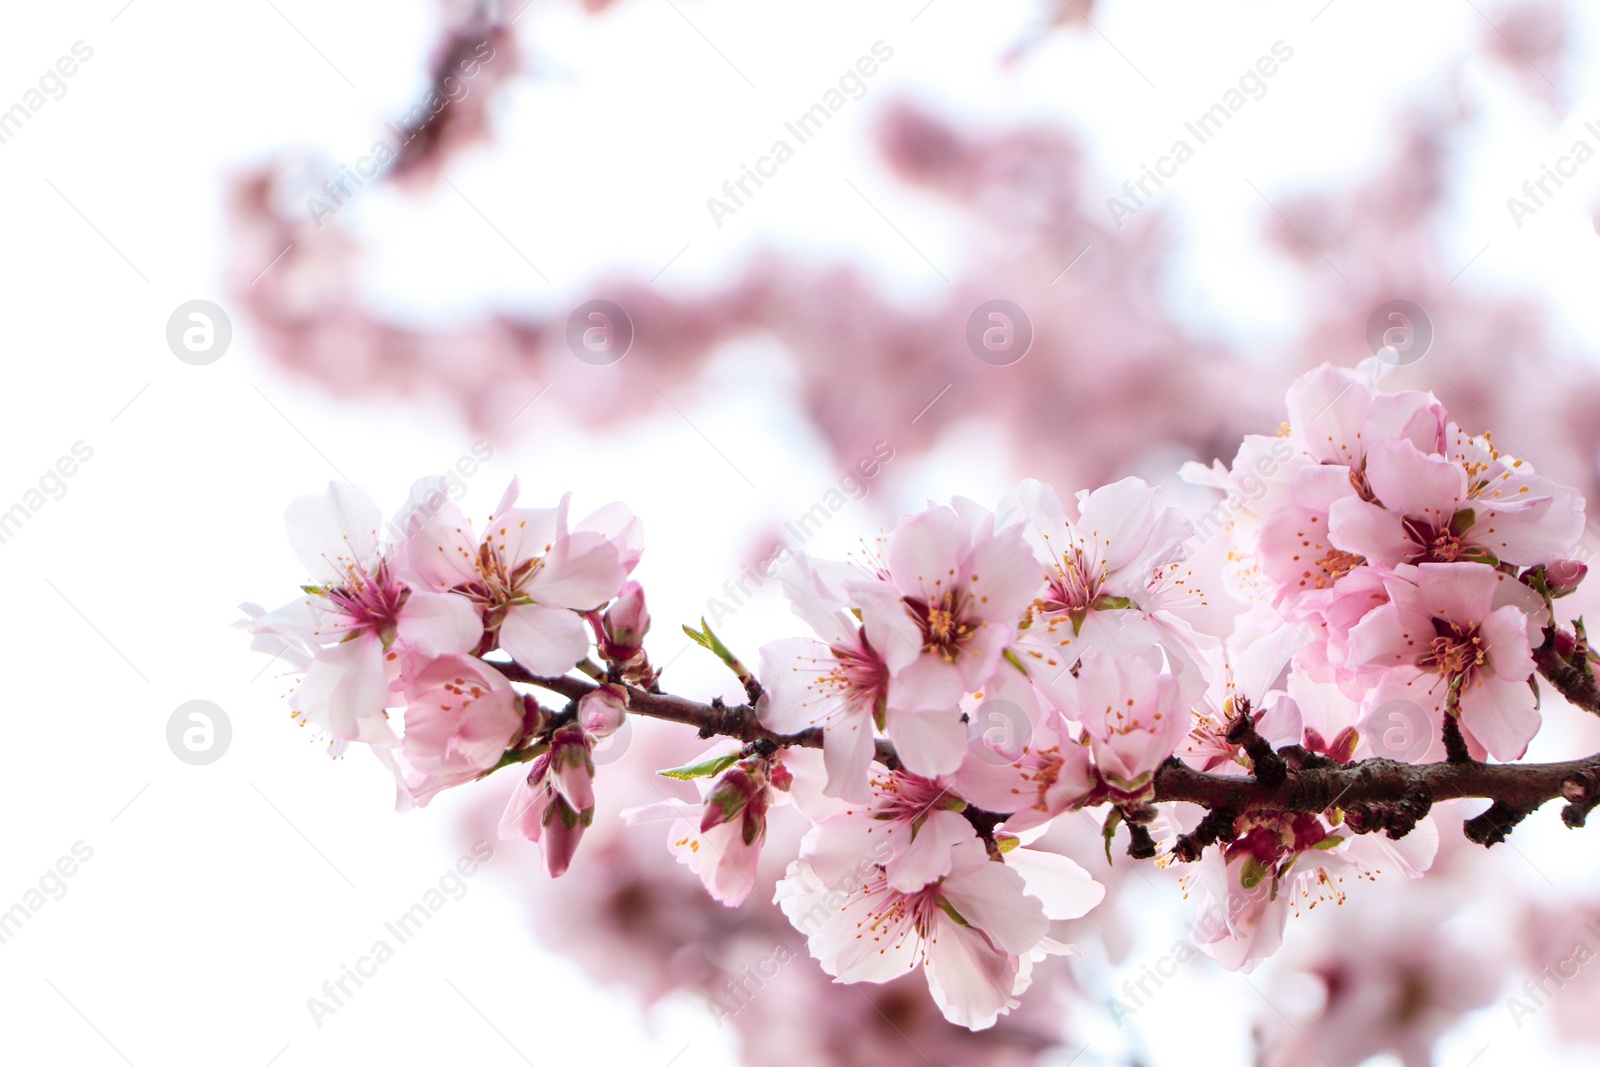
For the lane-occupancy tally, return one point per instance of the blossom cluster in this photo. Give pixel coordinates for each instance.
(975, 674)
(406, 625)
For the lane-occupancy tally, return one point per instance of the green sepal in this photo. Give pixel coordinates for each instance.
(1109, 830)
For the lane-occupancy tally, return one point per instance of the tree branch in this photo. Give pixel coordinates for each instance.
(1375, 794)
(1563, 661)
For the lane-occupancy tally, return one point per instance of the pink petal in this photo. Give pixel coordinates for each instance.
(848, 747)
(969, 980)
(1500, 713)
(1064, 888)
(930, 743)
(437, 624)
(993, 898)
(544, 640)
(1415, 484)
(582, 573)
(346, 689)
(925, 854)
(340, 525)
(1370, 531)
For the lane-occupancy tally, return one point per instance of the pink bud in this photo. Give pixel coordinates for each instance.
(1564, 575)
(571, 770)
(600, 712)
(728, 799)
(563, 829)
(626, 623)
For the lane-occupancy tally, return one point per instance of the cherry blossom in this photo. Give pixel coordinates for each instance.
(910, 823)
(1113, 576)
(1046, 772)
(1421, 510)
(1453, 639)
(358, 619)
(1134, 716)
(842, 681)
(720, 840)
(1279, 865)
(976, 932)
(979, 676)
(531, 574)
(966, 587)
(461, 716)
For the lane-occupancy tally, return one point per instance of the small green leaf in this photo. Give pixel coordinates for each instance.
(705, 769)
(1331, 841)
(1107, 602)
(1462, 521)
(711, 642)
(1012, 658)
(945, 906)
(1253, 872)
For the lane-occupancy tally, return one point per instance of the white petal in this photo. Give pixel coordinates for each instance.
(1065, 889)
(544, 640)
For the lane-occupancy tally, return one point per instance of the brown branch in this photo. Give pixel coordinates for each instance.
(1563, 660)
(1375, 794)
(717, 718)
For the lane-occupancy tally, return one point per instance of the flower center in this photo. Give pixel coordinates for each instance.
(943, 628)
(369, 601)
(1075, 584)
(1454, 651)
(1336, 564)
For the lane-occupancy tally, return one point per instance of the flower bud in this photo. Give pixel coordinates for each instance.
(626, 622)
(600, 712)
(1564, 575)
(554, 805)
(571, 770)
(734, 792)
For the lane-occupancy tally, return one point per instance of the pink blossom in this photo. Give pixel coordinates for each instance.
(1135, 717)
(966, 587)
(1421, 508)
(1452, 637)
(1113, 576)
(841, 682)
(910, 825)
(975, 932)
(530, 575)
(1047, 772)
(720, 840)
(1278, 864)
(461, 716)
(359, 618)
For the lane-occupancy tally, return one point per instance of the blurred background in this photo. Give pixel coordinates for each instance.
(796, 224)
